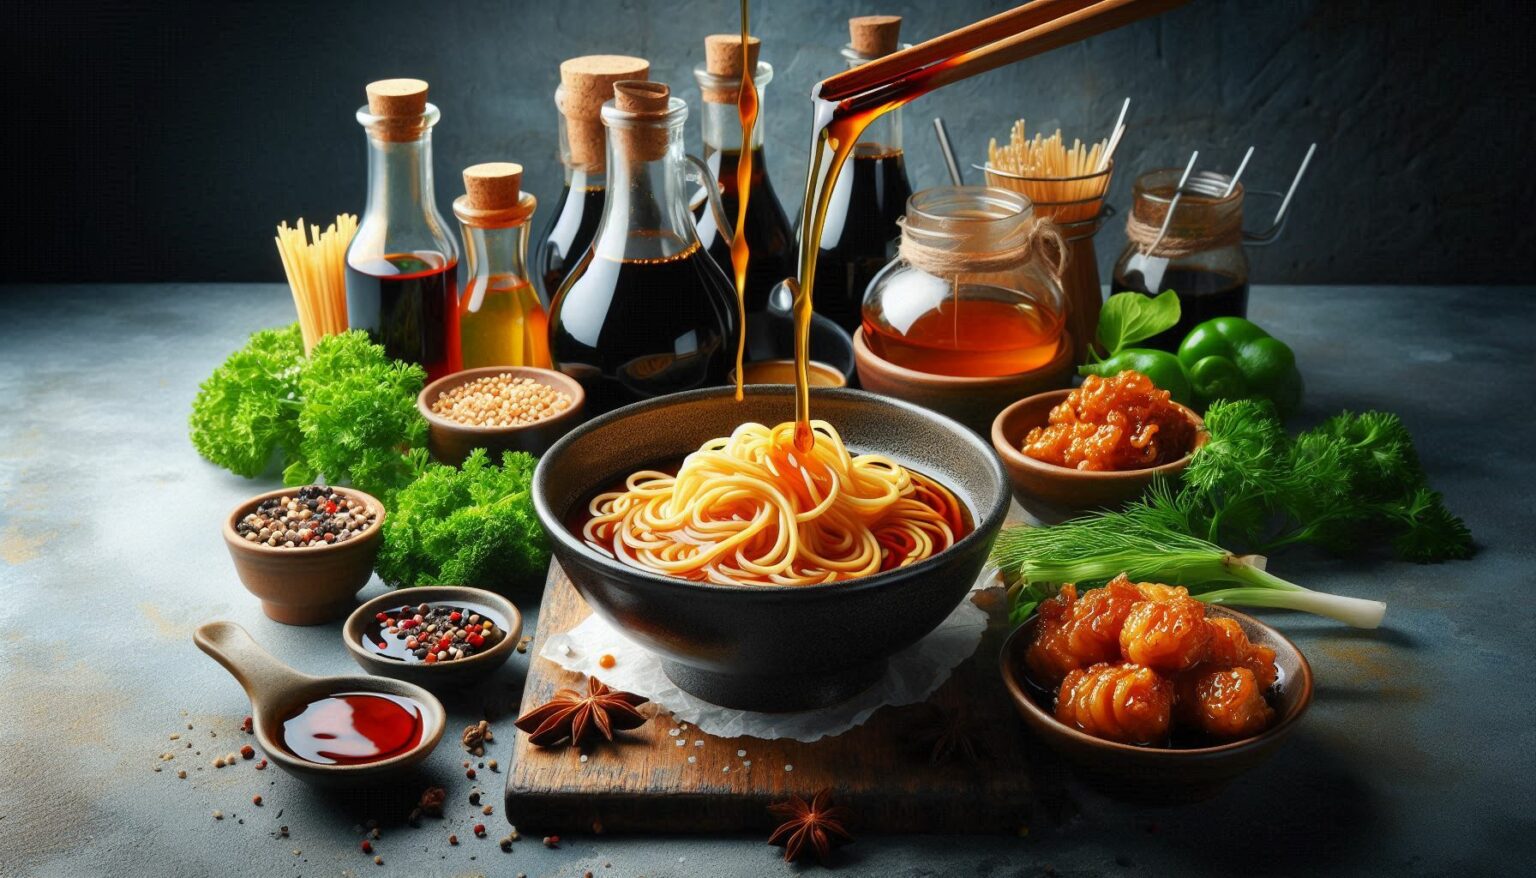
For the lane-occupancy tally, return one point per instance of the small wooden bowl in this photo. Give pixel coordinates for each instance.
(1054, 493)
(310, 585)
(973, 402)
(1163, 775)
(450, 441)
(438, 675)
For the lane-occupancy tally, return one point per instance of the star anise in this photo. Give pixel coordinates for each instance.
(951, 734)
(812, 828)
(573, 716)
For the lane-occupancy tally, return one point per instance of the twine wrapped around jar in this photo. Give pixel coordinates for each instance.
(1020, 247)
(1211, 232)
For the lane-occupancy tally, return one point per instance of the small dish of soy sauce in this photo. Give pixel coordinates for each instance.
(462, 634)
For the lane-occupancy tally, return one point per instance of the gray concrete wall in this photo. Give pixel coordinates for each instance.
(165, 142)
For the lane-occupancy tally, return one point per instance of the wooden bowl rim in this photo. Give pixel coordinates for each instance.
(249, 505)
(1018, 691)
(862, 352)
(547, 377)
(351, 629)
(1009, 451)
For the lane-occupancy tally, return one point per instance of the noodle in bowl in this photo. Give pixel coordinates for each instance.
(751, 509)
(767, 602)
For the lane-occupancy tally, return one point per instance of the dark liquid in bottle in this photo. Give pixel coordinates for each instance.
(858, 240)
(1202, 295)
(636, 328)
(353, 728)
(568, 236)
(768, 233)
(409, 303)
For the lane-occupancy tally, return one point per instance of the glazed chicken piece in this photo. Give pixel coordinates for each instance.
(1229, 647)
(1118, 702)
(1077, 632)
(1166, 635)
(1223, 703)
(1156, 591)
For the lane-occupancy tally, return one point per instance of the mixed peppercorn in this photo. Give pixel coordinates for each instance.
(313, 515)
(431, 633)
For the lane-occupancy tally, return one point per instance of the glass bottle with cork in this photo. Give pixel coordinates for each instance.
(585, 84)
(871, 193)
(769, 236)
(402, 263)
(501, 320)
(646, 311)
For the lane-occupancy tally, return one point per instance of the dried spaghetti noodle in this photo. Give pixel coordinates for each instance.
(317, 274)
(750, 509)
(1064, 183)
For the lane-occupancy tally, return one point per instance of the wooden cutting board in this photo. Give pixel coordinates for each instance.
(882, 770)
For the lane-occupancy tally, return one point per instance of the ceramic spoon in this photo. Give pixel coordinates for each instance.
(276, 690)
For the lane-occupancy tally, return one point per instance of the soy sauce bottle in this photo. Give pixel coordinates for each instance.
(646, 311)
(769, 236)
(870, 195)
(585, 84)
(402, 264)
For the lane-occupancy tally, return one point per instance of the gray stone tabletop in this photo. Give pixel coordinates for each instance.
(1418, 757)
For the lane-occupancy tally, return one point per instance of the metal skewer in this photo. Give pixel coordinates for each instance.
(1114, 136)
(1296, 181)
(942, 134)
(1174, 203)
(1232, 184)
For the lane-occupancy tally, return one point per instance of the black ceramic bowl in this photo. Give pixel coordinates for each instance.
(762, 647)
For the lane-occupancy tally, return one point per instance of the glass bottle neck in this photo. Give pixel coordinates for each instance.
(646, 213)
(401, 214)
(499, 253)
(883, 135)
(722, 127)
(720, 116)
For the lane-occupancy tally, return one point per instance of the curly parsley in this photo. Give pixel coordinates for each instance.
(469, 526)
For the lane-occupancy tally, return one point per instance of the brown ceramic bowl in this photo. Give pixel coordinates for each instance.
(438, 675)
(973, 402)
(783, 372)
(1162, 775)
(307, 586)
(450, 441)
(1054, 493)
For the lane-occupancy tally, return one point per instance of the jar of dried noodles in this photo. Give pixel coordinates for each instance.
(975, 290)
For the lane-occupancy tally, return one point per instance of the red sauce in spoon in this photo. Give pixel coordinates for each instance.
(353, 728)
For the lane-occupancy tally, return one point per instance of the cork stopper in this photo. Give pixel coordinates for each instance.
(493, 185)
(493, 196)
(398, 105)
(874, 36)
(642, 98)
(586, 83)
(722, 58)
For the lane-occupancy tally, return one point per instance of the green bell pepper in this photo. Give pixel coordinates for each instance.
(1163, 368)
(1231, 358)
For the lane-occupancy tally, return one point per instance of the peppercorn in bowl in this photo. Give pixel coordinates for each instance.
(305, 552)
(433, 635)
(498, 408)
